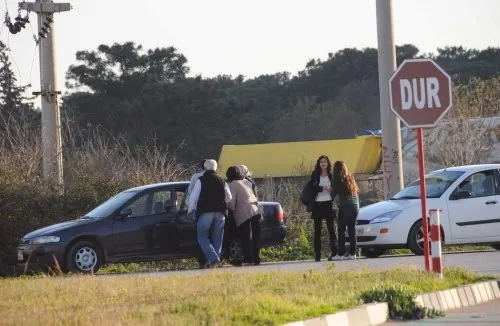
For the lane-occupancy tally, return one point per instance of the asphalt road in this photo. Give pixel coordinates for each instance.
(483, 262)
(483, 314)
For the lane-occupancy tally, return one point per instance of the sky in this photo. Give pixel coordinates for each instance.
(251, 37)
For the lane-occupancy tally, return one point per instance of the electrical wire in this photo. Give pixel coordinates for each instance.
(32, 64)
(13, 59)
(4, 18)
(1, 29)
(11, 55)
(37, 40)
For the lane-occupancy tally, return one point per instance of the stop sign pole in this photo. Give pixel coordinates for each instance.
(420, 94)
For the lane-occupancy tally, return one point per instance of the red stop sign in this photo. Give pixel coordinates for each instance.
(420, 93)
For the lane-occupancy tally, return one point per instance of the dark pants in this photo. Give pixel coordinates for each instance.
(249, 232)
(347, 218)
(324, 211)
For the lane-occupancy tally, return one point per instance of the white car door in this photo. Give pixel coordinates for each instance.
(474, 208)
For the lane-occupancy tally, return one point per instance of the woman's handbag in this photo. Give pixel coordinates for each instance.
(307, 195)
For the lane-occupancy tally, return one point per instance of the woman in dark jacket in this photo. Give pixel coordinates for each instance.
(345, 187)
(322, 206)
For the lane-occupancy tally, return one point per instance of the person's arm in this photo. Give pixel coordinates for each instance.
(334, 192)
(194, 196)
(315, 183)
(228, 193)
(192, 182)
(231, 204)
(254, 186)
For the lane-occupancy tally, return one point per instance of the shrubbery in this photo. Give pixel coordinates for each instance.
(401, 301)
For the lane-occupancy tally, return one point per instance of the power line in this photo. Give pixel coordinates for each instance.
(14, 28)
(32, 63)
(13, 59)
(5, 18)
(1, 29)
(37, 40)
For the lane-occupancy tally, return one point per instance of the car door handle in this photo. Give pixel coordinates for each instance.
(493, 202)
(166, 222)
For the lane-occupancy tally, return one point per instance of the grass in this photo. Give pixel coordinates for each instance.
(213, 298)
(122, 268)
(302, 251)
(447, 249)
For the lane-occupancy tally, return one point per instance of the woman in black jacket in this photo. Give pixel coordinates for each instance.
(345, 187)
(322, 207)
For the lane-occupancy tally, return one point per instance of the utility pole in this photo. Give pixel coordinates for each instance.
(51, 118)
(392, 159)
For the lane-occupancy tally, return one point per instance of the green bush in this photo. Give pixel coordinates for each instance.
(25, 208)
(401, 301)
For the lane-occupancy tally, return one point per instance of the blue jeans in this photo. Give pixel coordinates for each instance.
(210, 227)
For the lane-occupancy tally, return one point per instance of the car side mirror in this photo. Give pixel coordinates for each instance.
(125, 213)
(462, 194)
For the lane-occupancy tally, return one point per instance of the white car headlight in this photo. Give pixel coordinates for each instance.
(385, 217)
(45, 239)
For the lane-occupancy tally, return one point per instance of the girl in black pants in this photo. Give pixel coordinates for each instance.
(345, 187)
(321, 181)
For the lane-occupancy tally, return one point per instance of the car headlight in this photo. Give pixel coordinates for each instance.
(385, 217)
(45, 239)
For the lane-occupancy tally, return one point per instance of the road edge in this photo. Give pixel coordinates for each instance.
(461, 297)
(378, 313)
(367, 314)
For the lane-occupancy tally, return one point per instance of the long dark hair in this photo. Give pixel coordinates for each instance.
(233, 173)
(343, 180)
(317, 168)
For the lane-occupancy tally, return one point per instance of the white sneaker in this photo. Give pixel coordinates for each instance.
(353, 257)
(336, 257)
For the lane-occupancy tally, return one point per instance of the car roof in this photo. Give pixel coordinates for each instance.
(158, 185)
(471, 168)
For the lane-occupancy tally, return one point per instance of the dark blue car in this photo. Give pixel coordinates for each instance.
(147, 223)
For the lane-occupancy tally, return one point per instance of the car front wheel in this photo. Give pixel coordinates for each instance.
(416, 239)
(84, 257)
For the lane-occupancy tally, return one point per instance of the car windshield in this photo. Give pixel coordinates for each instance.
(436, 184)
(110, 205)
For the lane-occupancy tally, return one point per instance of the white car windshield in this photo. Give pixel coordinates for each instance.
(436, 184)
(111, 205)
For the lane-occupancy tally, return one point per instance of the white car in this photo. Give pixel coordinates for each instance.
(469, 197)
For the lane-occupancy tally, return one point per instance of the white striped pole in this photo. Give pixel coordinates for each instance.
(437, 255)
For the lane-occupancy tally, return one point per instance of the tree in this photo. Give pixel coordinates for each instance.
(308, 120)
(113, 85)
(467, 134)
(122, 63)
(13, 101)
(145, 94)
(466, 64)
